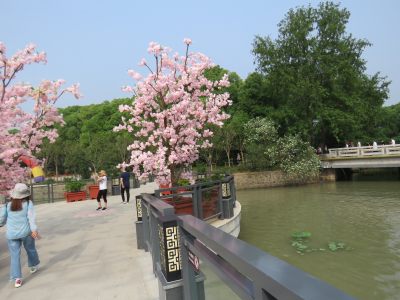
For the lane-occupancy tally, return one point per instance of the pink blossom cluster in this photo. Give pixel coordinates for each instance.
(22, 133)
(171, 113)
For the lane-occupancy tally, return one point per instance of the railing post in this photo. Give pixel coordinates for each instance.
(195, 201)
(146, 226)
(169, 269)
(226, 189)
(169, 244)
(155, 240)
(139, 224)
(193, 282)
(228, 199)
(199, 206)
(220, 201)
(52, 192)
(139, 207)
(48, 193)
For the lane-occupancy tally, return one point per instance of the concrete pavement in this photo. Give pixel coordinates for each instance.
(85, 254)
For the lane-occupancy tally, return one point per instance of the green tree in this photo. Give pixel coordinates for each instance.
(390, 121)
(254, 96)
(234, 89)
(260, 134)
(237, 122)
(290, 153)
(295, 157)
(314, 71)
(86, 142)
(53, 155)
(225, 138)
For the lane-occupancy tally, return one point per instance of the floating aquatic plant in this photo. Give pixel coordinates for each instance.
(335, 246)
(301, 238)
(301, 234)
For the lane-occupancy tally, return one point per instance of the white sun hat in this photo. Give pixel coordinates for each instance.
(20, 191)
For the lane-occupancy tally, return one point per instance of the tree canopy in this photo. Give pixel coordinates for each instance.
(174, 111)
(22, 133)
(86, 143)
(315, 77)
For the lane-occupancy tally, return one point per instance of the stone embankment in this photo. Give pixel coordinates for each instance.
(266, 179)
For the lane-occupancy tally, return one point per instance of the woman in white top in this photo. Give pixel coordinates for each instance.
(102, 180)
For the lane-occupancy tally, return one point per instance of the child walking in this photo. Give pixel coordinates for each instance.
(19, 215)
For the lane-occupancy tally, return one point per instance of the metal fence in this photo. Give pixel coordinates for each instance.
(204, 200)
(178, 243)
(47, 193)
(51, 192)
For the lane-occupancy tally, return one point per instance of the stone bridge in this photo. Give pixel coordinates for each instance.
(382, 156)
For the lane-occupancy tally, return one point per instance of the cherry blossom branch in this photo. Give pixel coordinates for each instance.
(22, 133)
(173, 113)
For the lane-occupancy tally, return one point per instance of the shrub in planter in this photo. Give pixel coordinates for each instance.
(183, 182)
(74, 185)
(218, 176)
(73, 191)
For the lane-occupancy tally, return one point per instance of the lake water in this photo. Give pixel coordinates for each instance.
(365, 215)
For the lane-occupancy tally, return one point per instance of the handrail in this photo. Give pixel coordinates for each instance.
(365, 151)
(250, 272)
(164, 209)
(192, 197)
(178, 243)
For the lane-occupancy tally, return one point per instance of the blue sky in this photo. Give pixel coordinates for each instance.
(95, 42)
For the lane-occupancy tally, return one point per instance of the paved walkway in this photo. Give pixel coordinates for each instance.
(85, 254)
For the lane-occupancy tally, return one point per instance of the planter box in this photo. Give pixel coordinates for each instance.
(93, 191)
(75, 196)
(183, 205)
(209, 209)
(165, 186)
(210, 203)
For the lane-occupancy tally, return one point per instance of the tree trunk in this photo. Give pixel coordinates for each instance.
(94, 167)
(56, 165)
(173, 175)
(176, 172)
(209, 163)
(229, 157)
(242, 155)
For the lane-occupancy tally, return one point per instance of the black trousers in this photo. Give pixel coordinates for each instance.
(123, 190)
(102, 193)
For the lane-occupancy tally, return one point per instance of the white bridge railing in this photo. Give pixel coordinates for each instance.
(365, 151)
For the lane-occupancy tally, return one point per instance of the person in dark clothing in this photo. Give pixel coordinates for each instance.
(124, 184)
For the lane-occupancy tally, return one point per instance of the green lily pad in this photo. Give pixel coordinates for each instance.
(334, 246)
(301, 234)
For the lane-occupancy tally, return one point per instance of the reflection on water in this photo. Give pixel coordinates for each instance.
(363, 214)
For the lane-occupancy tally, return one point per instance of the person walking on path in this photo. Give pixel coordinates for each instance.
(124, 184)
(19, 215)
(102, 180)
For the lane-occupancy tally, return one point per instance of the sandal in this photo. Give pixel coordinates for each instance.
(98, 208)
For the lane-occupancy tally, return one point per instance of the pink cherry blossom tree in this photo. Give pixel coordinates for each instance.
(22, 133)
(172, 113)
